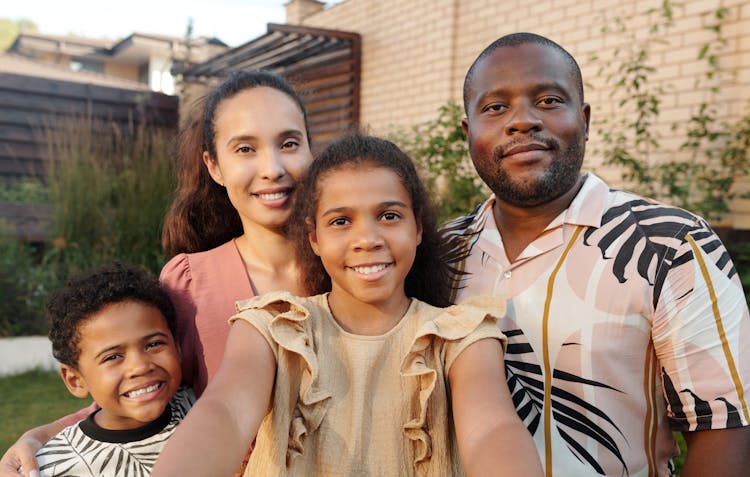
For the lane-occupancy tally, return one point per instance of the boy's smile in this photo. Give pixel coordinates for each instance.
(128, 362)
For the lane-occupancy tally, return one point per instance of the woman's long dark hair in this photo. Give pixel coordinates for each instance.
(429, 278)
(201, 216)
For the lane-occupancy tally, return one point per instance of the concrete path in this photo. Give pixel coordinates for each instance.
(25, 353)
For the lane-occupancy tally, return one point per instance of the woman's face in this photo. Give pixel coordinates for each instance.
(261, 154)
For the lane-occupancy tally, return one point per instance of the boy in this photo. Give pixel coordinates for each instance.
(112, 330)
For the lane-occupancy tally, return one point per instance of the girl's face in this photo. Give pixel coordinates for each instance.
(261, 154)
(366, 235)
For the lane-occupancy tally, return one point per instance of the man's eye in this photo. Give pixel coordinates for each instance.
(550, 101)
(496, 107)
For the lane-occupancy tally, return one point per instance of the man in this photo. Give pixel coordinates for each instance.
(626, 319)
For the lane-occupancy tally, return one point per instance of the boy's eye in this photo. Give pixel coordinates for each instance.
(154, 344)
(111, 357)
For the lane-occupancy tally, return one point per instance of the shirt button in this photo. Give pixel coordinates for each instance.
(507, 274)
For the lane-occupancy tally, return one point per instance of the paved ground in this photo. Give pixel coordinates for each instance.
(25, 353)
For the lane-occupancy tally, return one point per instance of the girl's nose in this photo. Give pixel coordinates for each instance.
(367, 237)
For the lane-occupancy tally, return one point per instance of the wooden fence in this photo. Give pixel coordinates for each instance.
(30, 104)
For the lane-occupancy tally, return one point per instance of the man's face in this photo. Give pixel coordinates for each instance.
(526, 124)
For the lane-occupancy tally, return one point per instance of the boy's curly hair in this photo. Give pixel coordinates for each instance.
(89, 292)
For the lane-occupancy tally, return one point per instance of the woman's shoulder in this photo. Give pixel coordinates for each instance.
(181, 268)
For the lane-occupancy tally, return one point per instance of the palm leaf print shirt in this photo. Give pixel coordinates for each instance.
(86, 450)
(625, 320)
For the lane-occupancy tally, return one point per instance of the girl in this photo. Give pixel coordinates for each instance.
(369, 377)
(239, 164)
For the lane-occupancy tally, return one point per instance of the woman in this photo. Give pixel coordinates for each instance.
(239, 167)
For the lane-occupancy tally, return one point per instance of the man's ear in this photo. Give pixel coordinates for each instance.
(74, 381)
(586, 110)
(465, 126)
(213, 169)
(312, 237)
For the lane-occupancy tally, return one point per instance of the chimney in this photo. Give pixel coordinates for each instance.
(298, 10)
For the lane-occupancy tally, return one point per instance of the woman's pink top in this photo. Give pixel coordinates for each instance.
(203, 287)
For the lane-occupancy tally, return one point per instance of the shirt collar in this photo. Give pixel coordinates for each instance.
(586, 209)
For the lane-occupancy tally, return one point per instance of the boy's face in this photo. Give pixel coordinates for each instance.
(128, 362)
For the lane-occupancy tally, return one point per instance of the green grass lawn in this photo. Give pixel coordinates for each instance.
(31, 399)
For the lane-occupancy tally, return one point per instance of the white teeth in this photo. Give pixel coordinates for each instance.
(138, 392)
(370, 269)
(275, 196)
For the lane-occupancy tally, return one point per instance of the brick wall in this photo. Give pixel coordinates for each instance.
(415, 54)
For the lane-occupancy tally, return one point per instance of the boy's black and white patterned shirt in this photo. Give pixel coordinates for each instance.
(86, 450)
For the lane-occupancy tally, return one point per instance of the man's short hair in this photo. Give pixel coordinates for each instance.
(517, 39)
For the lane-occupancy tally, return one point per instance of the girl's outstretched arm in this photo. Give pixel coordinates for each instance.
(492, 440)
(215, 435)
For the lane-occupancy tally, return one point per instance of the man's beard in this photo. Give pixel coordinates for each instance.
(561, 176)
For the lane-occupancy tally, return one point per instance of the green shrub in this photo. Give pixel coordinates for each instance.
(109, 190)
(24, 285)
(440, 151)
(25, 190)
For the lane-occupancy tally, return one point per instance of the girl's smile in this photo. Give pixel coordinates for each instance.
(366, 235)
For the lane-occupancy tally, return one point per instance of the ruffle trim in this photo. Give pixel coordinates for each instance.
(290, 329)
(454, 323)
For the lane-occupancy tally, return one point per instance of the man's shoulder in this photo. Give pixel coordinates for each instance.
(651, 217)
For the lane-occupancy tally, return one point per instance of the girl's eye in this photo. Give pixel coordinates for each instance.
(390, 216)
(340, 221)
(244, 149)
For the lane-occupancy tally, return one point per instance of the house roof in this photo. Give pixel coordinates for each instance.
(135, 48)
(281, 47)
(20, 65)
(323, 65)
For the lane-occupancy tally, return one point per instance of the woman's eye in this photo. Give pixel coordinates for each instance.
(244, 149)
(291, 144)
(388, 216)
(340, 221)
